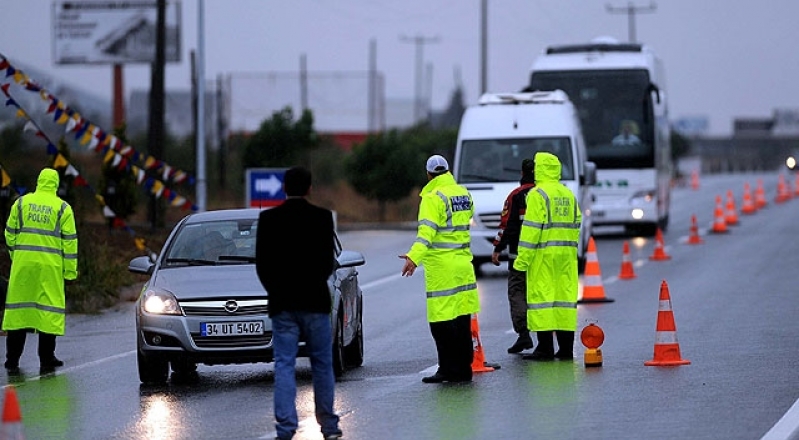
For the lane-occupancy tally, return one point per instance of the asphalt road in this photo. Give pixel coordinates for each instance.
(734, 304)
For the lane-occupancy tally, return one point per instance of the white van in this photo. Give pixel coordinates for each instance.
(496, 135)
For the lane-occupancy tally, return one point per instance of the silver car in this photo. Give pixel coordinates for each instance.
(204, 304)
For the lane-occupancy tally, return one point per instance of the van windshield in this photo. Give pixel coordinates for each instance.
(500, 160)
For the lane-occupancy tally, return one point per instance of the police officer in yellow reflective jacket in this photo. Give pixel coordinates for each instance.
(442, 245)
(548, 253)
(43, 245)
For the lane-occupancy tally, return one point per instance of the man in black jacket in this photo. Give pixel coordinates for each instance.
(298, 238)
(510, 227)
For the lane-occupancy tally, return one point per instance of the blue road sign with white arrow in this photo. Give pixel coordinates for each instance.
(265, 187)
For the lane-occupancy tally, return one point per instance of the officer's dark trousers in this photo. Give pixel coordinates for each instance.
(15, 345)
(454, 345)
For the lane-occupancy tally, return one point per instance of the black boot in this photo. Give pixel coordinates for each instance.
(15, 344)
(545, 350)
(523, 342)
(565, 345)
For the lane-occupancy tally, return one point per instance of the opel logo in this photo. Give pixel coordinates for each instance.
(231, 306)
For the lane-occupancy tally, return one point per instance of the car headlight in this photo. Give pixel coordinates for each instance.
(646, 196)
(791, 162)
(160, 303)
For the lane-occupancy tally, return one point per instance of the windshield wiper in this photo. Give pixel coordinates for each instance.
(191, 261)
(240, 258)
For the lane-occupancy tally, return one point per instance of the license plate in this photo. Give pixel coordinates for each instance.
(231, 328)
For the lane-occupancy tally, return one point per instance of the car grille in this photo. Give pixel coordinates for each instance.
(491, 220)
(232, 342)
(217, 308)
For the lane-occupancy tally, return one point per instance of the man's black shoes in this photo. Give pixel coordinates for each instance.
(12, 368)
(564, 355)
(539, 356)
(523, 342)
(51, 364)
(441, 378)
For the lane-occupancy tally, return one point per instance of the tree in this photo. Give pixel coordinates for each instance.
(387, 166)
(280, 141)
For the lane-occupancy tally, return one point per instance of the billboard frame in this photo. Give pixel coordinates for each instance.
(112, 31)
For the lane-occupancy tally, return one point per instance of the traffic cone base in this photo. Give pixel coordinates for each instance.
(667, 349)
(593, 290)
(627, 272)
(479, 364)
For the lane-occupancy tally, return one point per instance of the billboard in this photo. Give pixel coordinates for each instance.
(112, 32)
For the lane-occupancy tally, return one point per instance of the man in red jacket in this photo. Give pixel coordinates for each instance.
(510, 227)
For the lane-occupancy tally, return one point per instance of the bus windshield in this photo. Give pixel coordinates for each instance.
(500, 160)
(615, 110)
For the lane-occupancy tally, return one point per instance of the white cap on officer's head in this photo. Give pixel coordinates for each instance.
(437, 164)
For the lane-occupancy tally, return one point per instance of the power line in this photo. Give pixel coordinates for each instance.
(419, 41)
(631, 10)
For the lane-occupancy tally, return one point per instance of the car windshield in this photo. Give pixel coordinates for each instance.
(212, 243)
(500, 160)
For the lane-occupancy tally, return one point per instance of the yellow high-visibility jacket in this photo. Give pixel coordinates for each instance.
(548, 249)
(43, 245)
(442, 246)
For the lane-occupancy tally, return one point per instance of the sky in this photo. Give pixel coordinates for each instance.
(724, 59)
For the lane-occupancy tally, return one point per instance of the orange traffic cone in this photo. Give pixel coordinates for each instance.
(731, 217)
(783, 194)
(479, 364)
(659, 254)
(694, 238)
(719, 223)
(11, 428)
(760, 195)
(667, 349)
(796, 185)
(593, 290)
(748, 204)
(627, 272)
(694, 180)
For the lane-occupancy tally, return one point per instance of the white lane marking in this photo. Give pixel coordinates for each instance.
(60, 371)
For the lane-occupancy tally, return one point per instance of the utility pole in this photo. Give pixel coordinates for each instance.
(631, 10)
(155, 135)
(483, 46)
(419, 41)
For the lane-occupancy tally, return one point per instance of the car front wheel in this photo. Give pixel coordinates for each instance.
(353, 353)
(152, 369)
(338, 346)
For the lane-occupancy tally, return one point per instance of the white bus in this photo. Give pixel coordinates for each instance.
(619, 92)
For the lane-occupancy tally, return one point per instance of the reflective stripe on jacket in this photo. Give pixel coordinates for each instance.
(548, 250)
(442, 246)
(43, 246)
